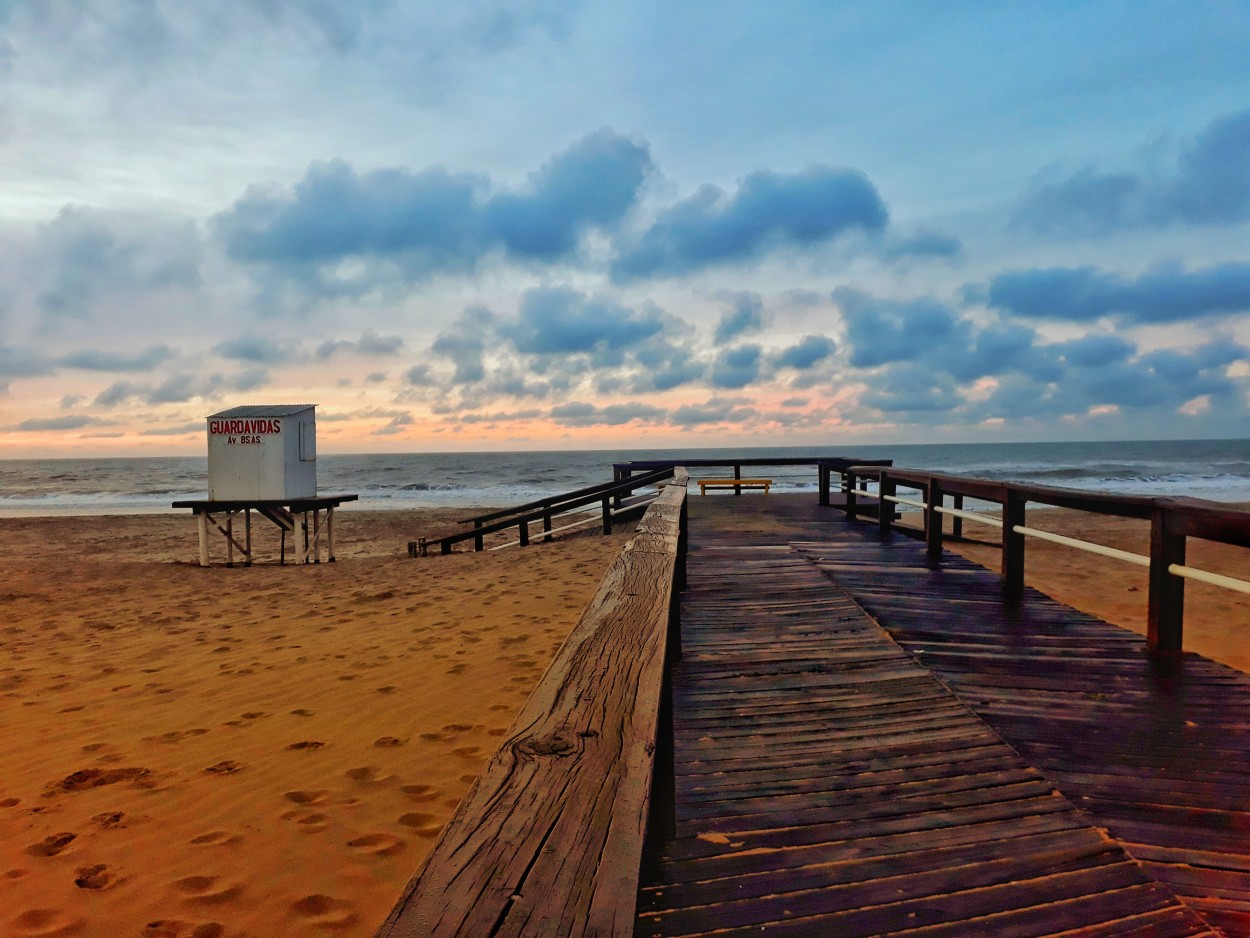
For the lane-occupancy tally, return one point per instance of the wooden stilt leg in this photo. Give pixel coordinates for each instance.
(229, 538)
(247, 536)
(202, 518)
(330, 533)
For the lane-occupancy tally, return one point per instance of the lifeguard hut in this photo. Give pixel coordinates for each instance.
(263, 458)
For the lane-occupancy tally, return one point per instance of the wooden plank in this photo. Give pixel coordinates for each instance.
(548, 840)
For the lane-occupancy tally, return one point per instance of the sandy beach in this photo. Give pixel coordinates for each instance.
(270, 750)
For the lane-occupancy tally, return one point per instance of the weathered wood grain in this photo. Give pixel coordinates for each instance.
(548, 840)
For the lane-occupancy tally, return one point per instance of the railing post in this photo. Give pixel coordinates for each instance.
(957, 523)
(547, 527)
(822, 477)
(848, 479)
(477, 538)
(885, 510)
(1013, 545)
(1166, 616)
(524, 528)
(933, 519)
(607, 516)
(737, 475)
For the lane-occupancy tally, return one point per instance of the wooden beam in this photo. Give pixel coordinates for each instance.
(1165, 617)
(1013, 545)
(549, 839)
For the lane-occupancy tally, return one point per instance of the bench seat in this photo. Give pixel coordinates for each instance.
(705, 484)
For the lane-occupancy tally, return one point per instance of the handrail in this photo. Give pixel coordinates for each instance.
(604, 494)
(553, 500)
(549, 838)
(1172, 521)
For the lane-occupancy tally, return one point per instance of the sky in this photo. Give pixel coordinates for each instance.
(574, 225)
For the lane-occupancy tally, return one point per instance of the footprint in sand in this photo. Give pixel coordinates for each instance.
(421, 793)
(324, 911)
(173, 928)
(387, 742)
(175, 736)
(368, 775)
(468, 752)
(320, 796)
(309, 822)
(207, 890)
(84, 779)
(423, 825)
(111, 820)
(9, 802)
(46, 923)
(301, 712)
(388, 689)
(93, 877)
(225, 767)
(307, 744)
(378, 845)
(51, 845)
(216, 839)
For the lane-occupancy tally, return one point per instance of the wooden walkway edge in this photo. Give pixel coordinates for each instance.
(547, 841)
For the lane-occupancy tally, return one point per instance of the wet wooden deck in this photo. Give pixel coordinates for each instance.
(948, 765)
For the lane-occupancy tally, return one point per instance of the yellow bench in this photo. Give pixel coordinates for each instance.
(705, 484)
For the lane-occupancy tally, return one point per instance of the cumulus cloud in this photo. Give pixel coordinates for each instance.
(371, 344)
(769, 211)
(808, 351)
(53, 424)
(83, 257)
(254, 348)
(746, 314)
(92, 360)
(716, 410)
(1208, 184)
(581, 414)
(464, 344)
(912, 387)
(412, 225)
(1085, 294)
(181, 387)
(560, 320)
(737, 367)
(881, 331)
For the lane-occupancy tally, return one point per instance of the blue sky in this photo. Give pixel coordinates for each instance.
(567, 225)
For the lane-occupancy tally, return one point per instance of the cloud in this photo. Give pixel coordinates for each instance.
(145, 360)
(737, 367)
(1208, 184)
(580, 414)
(924, 244)
(808, 351)
(254, 348)
(183, 430)
(768, 212)
(745, 315)
(22, 363)
(715, 410)
(560, 320)
(410, 226)
(180, 388)
(881, 331)
(68, 422)
(84, 256)
(464, 344)
(913, 388)
(1085, 294)
(371, 344)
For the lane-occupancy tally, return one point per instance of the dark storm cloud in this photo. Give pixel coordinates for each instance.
(418, 224)
(1085, 294)
(808, 351)
(737, 367)
(769, 211)
(145, 360)
(746, 314)
(1209, 184)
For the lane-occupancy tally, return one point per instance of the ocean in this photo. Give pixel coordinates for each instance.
(1213, 469)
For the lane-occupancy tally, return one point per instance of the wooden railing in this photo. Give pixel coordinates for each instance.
(609, 496)
(825, 466)
(1172, 521)
(549, 839)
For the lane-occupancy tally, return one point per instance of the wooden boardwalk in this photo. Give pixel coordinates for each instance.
(832, 781)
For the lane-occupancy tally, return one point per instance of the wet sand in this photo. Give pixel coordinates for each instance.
(260, 751)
